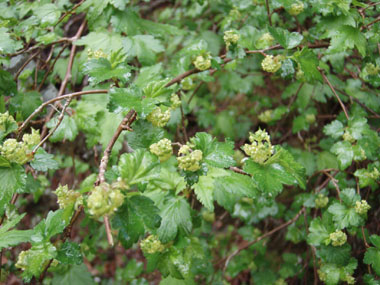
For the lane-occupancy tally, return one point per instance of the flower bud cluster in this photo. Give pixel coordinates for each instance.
(20, 152)
(296, 8)
(372, 69)
(176, 102)
(189, 160)
(163, 149)
(159, 118)
(6, 120)
(362, 207)
(338, 238)
(202, 62)
(104, 200)
(271, 63)
(231, 37)
(96, 54)
(347, 136)
(266, 40)
(152, 245)
(68, 197)
(266, 116)
(374, 174)
(22, 261)
(321, 201)
(260, 148)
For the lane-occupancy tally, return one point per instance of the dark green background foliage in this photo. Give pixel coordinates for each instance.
(300, 207)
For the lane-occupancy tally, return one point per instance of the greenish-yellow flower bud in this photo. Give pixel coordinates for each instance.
(296, 8)
(260, 148)
(68, 197)
(271, 63)
(189, 161)
(202, 62)
(104, 200)
(163, 149)
(338, 238)
(15, 151)
(362, 207)
(152, 245)
(159, 118)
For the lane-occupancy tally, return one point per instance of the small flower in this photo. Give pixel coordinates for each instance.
(163, 149)
(266, 116)
(260, 148)
(321, 201)
(202, 62)
(68, 197)
(362, 207)
(296, 8)
(152, 245)
(159, 118)
(15, 151)
(266, 40)
(6, 120)
(32, 139)
(231, 37)
(189, 161)
(176, 102)
(104, 200)
(338, 238)
(372, 69)
(271, 63)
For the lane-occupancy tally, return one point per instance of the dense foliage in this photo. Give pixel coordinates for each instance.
(192, 141)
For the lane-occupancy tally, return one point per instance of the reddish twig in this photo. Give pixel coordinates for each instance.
(268, 12)
(69, 12)
(25, 64)
(333, 90)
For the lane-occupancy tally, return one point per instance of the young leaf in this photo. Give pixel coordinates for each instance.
(43, 161)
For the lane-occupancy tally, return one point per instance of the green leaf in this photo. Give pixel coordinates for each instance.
(67, 130)
(101, 69)
(326, 160)
(375, 240)
(319, 231)
(344, 152)
(344, 215)
(25, 103)
(48, 14)
(229, 189)
(144, 47)
(169, 180)
(138, 166)
(12, 180)
(335, 129)
(214, 153)
(125, 99)
(103, 40)
(77, 274)
(204, 190)
(7, 44)
(43, 161)
(309, 64)
(176, 217)
(54, 224)
(8, 86)
(372, 257)
(136, 215)
(347, 37)
(285, 38)
(70, 253)
(13, 237)
(144, 135)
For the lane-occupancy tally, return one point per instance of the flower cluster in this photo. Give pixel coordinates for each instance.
(152, 245)
(338, 238)
(20, 152)
(260, 148)
(176, 102)
(96, 54)
(372, 69)
(271, 63)
(104, 200)
(362, 207)
(159, 118)
(347, 136)
(266, 116)
(321, 201)
(296, 8)
(231, 37)
(68, 197)
(163, 149)
(5, 121)
(202, 62)
(374, 174)
(189, 160)
(266, 40)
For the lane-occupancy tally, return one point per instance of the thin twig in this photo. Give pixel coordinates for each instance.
(333, 90)
(43, 105)
(334, 182)
(268, 12)
(238, 170)
(370, 24)
(67, 75)
(59, 121)
(248, 244)
(69, 12)
(25, 64)
(51, 67)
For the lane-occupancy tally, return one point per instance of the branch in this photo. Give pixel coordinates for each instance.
(268, 12)
(370, 24)
(25, 64)
(67, 75)
(43, 105)
(69, 12)
(333, 90)
(60, 118)
(248, 244)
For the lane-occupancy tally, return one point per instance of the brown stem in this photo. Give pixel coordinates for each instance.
(268, 12)
(25, 64)
(333, 181)
(43, 105)
(238, 170)
(59, 121)
(370, 24)
(246, 245)
(333, 90)
(67, 76)
(69, 12)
